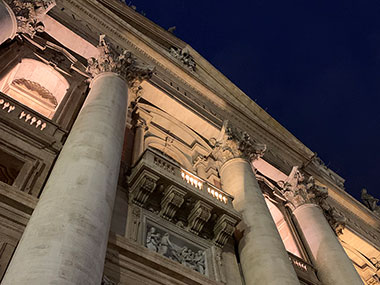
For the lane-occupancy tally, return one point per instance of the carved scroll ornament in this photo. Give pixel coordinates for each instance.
(125, 64)
(29, 14)
(234, 143)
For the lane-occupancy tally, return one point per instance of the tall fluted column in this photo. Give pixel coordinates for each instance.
(66, 238)
(138, 143)
(24, 16)
(263, 257)
(331, 261)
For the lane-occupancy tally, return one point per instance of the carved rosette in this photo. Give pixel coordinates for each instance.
(299, 192)
(29, 14)
(124, 64)
(199, 215)
(235, 143)
(172, 201)
(223, 230)
(144, 186)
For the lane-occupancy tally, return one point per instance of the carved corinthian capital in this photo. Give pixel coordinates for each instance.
(29, 14)
(299, 191)
(124, 64)
(233, 143)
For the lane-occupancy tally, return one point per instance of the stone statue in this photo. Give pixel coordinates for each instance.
(369, 201)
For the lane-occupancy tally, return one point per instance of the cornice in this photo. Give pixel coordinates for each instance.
(124, 34)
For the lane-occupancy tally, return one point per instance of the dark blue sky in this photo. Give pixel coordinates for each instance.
(314, 65)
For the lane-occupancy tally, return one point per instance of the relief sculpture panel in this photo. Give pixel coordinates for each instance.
(175, 248)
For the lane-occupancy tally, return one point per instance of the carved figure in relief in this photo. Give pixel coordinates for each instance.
(165, 245)
(184, 255)
(153, 239)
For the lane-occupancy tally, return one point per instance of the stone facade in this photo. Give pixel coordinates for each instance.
(129, 159)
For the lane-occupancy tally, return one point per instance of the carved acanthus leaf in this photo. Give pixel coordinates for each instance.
(30, 13)
(125, 64)
(233, 143)
(299, 192)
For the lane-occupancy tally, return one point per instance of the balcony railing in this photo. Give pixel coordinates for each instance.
(172, 170)
(20, 117)
(305, 271)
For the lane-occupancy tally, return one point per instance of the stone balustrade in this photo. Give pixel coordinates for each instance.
(162, 186)
(20, 117)
(305, 271)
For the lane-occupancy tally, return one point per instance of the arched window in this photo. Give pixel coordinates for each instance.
(284, 229)
(36, 85)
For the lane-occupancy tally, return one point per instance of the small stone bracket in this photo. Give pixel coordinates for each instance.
(142, 188)
(199, 215)
(172, 201)
(223, 229)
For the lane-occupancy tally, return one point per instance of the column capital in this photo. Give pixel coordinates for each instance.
(124, 64)
(29, 14)
(235, 143)
(299, 191)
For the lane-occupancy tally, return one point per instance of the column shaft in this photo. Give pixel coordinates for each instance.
(332, 263)
(263, 257)
(66, 238)
(8, 22)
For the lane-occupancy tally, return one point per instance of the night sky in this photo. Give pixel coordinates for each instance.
(313, 65)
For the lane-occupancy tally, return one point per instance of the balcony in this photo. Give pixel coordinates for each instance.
(16, 116)
(163, 187)
(305, 271)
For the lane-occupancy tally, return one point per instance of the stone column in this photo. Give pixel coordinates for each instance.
(22, 17)
(263, 257)
(138, 143)
(66, 238)
(331, 261)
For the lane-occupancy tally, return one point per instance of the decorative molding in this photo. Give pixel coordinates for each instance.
(320, 165)
(29, 14)
(125, 64)
(299, 191)
(199, 215)
(172, 201)
(223, 229)
(143, 187)
(36, 87)
(233, 143)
